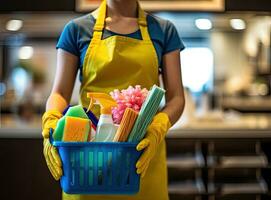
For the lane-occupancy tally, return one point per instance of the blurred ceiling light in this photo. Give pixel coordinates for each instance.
(14, 25)
(26, 52)
(203, 24)
(238, 24)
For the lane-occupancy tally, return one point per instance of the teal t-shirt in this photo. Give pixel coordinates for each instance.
(77, 34)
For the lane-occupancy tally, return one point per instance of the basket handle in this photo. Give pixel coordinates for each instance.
(51, 139)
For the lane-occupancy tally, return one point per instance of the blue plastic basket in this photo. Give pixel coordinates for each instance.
(99, 167)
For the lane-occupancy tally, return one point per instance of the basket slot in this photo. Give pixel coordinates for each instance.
(105, 158)
(77, 168)
(118, 169)
(127, 168)
(100, 168)
(72, 171)
(114, 168)
(109, 168)
(90, 168)
(132, 175)
(86, 166)
(123, 168)
(81, 167)
(95, 167)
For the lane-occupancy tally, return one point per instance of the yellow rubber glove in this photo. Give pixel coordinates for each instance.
(49, 120)
(55, 104)
(52, 158)
(53, 161)
(155, 134)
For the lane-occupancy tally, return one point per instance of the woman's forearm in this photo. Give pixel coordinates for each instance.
(174, 108)
(172, 79)
(56, 102)
(64, 81)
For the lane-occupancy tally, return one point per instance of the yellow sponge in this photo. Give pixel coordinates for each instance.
(126, 125)
(76, 129)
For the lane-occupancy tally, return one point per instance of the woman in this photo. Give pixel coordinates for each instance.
(116, 46)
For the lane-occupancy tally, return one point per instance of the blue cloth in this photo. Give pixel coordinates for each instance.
(77, 34)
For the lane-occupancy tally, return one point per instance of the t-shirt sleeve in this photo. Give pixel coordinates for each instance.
(68, 39)
(172, 40)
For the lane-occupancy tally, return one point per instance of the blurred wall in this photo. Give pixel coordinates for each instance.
(228, 52)
(258, 30)
(233, 49)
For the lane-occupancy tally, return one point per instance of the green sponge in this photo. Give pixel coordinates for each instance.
(76, 111)
(58, 133)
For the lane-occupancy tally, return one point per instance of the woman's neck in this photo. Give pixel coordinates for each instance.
(122, 8)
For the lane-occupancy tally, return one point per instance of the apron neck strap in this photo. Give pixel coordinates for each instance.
(99, 25)
(142, 23)
(100, 22)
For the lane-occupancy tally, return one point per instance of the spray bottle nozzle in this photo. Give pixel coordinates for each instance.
(105, 100)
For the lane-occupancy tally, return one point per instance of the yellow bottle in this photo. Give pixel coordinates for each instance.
(106, 129)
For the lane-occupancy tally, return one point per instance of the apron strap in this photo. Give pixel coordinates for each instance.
(99, 25)
(100, 21)
(142, 23)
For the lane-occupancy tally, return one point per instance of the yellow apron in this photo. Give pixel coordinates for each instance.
(116, 63)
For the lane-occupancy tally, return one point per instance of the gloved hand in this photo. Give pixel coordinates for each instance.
(52, 159)
(155, 134)
(49, 120)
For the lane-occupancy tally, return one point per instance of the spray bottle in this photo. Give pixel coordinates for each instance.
(106, 129)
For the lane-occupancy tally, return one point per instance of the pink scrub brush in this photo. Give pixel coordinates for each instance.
(132, 97)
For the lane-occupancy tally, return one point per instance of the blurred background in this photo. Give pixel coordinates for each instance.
(219, 149)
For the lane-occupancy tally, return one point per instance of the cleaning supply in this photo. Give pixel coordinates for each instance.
(155, 134)
(94, 123)
(92, 117)
(58, 132)
(126, 125)
(146, 114)
(105, 129)
(78, 114)
(76, 129)
(132, 97)
(76, 111)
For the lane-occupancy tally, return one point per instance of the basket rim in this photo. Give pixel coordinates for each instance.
(85, 144)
